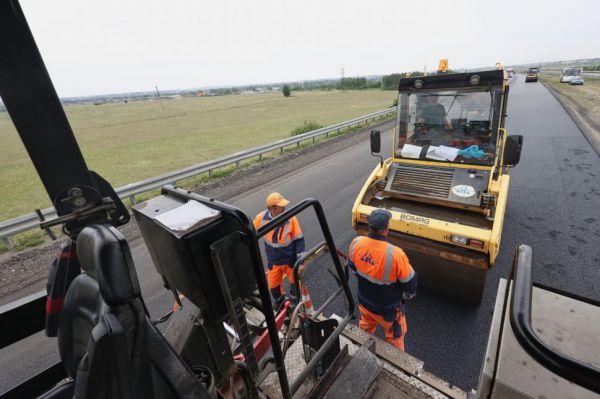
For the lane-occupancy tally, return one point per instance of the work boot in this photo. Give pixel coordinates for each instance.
(278, 298)
(292, 295)
(292, 298)
(277, 302)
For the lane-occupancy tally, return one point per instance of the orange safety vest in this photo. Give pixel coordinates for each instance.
(384, 274)
(283, 244)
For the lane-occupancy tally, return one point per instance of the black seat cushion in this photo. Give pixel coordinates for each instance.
(106, 340)
(108, 283)
(104, 253)
(105, 372)
(80, 314)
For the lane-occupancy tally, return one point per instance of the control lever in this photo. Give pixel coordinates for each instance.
(177, 305)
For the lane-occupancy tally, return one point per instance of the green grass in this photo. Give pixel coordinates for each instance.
(31, 239)
(587, 95)
(306, 127)
(130, 142)
(25, 240)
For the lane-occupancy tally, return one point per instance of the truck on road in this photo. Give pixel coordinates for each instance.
(446, 182)
(532, 75)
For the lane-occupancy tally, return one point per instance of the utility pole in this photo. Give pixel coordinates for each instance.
(159, 99)
(342, 81)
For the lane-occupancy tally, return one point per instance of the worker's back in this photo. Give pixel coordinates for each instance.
(383, 269)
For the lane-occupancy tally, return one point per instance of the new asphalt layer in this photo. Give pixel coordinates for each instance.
(553, 206)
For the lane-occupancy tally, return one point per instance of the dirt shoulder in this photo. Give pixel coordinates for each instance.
(24, 273)
(582, 103)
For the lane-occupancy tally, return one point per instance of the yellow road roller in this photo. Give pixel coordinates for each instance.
(446, 182)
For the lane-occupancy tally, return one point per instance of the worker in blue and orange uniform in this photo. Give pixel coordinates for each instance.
(282, 246)
(385, 280)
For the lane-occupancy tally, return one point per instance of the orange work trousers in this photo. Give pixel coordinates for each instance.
(394, 330)
(275, 280)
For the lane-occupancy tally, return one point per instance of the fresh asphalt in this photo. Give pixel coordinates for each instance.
(553, 206)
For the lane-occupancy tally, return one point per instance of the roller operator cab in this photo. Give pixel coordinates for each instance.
(532, 75)
(446, 183)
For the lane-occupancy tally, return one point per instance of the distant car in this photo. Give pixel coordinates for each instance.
(576, 80)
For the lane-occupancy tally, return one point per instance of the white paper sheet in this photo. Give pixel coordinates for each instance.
(191, 214)
(411, 151)
(431, 154)
(449, 153)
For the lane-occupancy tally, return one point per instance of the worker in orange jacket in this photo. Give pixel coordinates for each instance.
(385, 280)
(282, 246)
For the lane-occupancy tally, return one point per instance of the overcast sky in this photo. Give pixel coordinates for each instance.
(111, 46)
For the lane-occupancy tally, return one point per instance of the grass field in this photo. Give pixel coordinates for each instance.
(588, 95)
(129, 142)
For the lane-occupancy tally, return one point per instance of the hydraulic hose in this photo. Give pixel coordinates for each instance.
(286, 341)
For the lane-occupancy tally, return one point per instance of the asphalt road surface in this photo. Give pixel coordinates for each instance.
(553, 206)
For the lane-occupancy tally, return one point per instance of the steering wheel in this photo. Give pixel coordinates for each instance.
(479, 128)
(424, 127)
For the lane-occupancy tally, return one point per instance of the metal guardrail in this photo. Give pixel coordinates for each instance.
(592, 75)
(31, 221)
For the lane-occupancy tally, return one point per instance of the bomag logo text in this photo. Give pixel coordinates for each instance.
(414, 219)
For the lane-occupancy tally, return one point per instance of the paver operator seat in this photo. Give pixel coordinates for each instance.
(106, 341)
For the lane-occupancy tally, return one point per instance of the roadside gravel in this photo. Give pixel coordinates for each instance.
(25, 272)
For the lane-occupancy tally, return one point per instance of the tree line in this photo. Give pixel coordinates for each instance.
(387, 82)
(592, 68)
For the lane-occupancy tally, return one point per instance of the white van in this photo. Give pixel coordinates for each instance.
(569, 73)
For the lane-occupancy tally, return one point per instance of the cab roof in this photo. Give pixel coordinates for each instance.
(447, 81)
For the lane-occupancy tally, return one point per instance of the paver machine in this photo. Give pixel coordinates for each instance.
(446, 182)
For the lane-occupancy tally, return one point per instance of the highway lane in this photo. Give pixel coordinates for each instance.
(554, 206)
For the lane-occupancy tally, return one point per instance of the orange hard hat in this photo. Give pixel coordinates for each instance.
(276, 199)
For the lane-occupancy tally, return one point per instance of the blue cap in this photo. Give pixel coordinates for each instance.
(379, 219)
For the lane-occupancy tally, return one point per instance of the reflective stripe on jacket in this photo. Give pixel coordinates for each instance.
(283, 244)
(384, 273)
